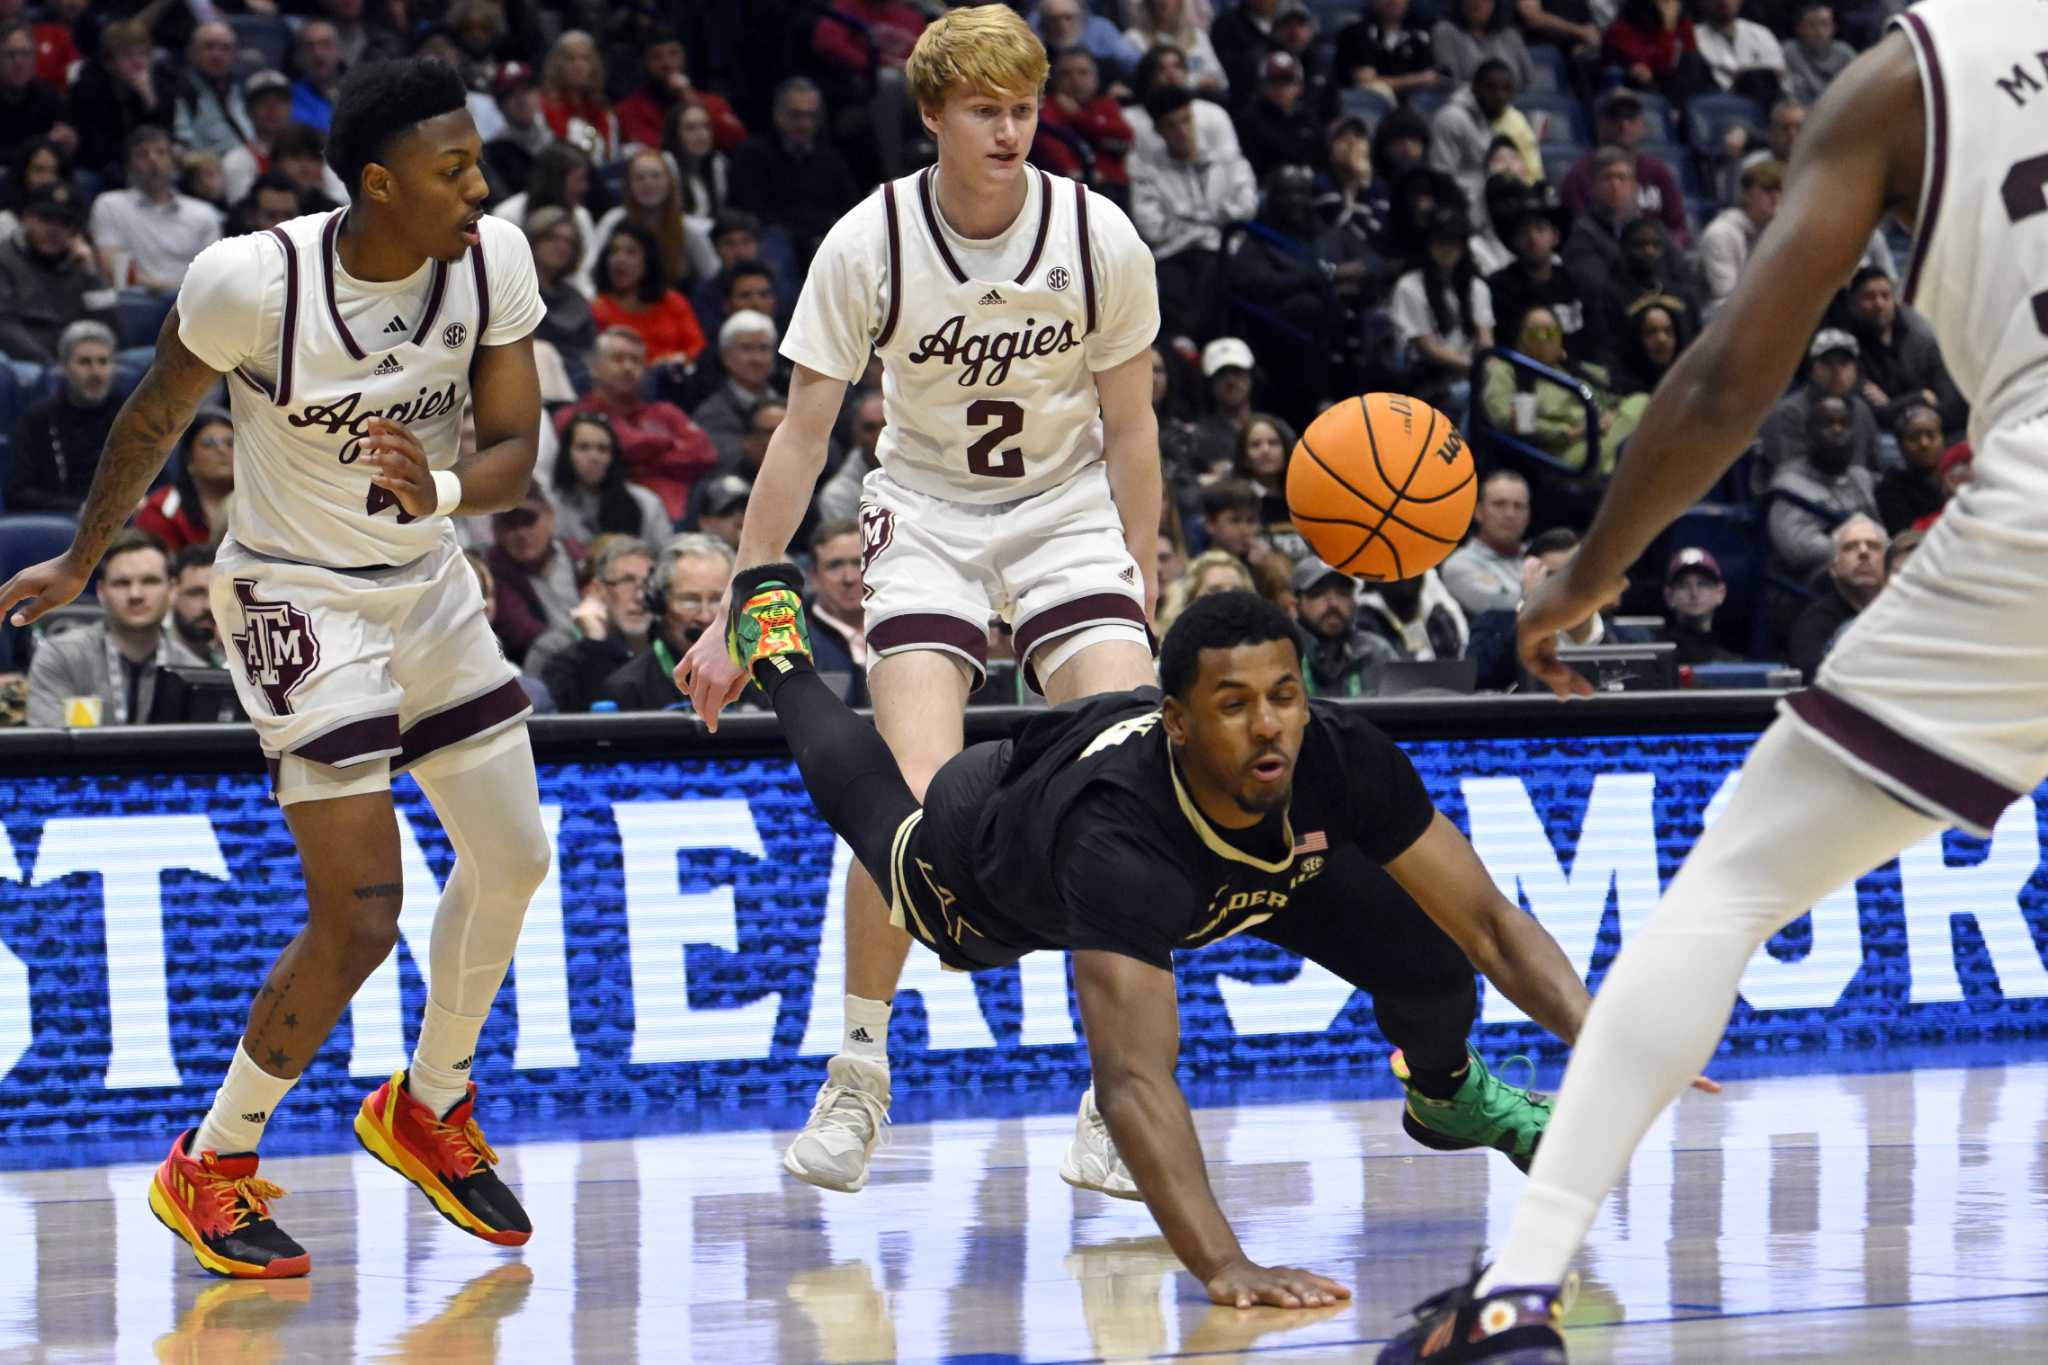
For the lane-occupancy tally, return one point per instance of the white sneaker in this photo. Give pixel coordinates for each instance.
(1092, 1162)
(838, 1139)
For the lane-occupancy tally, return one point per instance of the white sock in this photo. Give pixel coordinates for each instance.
(242, 1107)
(439, 1074)
(1799, 825)
(489, 805)
(867, 1030)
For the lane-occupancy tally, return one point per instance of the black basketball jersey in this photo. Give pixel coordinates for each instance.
(1081, 833)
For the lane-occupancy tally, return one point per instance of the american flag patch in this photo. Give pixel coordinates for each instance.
(1312, 843)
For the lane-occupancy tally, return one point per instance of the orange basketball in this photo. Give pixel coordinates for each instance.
(1382, 486)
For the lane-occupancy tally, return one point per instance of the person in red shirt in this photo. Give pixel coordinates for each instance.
(1652, 42)
(662, 449)
(1078, 110)
(632, 293)
(644, 115)
(192, 509)
(892, 28)
(572, 98)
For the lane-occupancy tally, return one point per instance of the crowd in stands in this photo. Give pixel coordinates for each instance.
(1520, 210)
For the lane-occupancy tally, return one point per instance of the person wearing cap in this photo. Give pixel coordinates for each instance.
(1901, 360)
(267, 95)
(1181, 206)
(664, 84)
(1227, 364)
(1832, 371)
(149, 226)
(48, 278)
(1338, 654)
(1725, 243)
(1618, 121)
(1829, 484)
(509, 155)
(1741, 54)
(1855, 574)
(1693, 591)
(1536, 278)
(1276, 127)
(1352, 201)
(211, 116)
(1442, 313)
(718, 507)
(1463, 132)
(533, 571)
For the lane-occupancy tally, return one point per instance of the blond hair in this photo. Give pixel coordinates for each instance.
(987, 50)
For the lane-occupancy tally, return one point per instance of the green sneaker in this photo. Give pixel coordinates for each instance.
(767, 620)
(1486, 1112)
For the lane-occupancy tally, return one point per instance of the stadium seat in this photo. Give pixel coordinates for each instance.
(1558, 160)
(1427, 102)
(1707, 117)
(1369, 105)
(1679, 159)
(140, 316)
(1550, 69)
(1558, 117)
(267, 35)
(1332, 15)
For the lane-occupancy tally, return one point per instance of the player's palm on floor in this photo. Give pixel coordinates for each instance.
(1244, 1285)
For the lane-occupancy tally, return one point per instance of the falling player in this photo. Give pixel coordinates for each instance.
(1931, 711)
(354, 340)
(1014, 314)
(1126, 826)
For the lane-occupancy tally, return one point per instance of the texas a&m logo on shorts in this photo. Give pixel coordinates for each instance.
(278, 648)
(877, 529)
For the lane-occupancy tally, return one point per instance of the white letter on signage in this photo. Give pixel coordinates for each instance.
(1937, 892)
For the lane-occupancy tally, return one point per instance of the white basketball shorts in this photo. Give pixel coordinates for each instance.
(935, 572)
(348, 667)
(1938, 691)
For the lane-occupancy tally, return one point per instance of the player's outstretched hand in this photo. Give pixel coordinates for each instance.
(708, 676)
(399, 466)
(51, 583)
(1241, 1284)
(1552, 605)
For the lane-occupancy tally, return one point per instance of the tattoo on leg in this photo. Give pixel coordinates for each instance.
(379, 891)
(276, 995)
(276, 1058)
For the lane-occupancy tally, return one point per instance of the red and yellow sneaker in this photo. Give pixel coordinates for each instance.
(222, 1210)
(446, 1157)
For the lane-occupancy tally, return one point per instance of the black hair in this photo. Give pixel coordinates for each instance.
(734, 220)
(547, 184)
(1497, 21)
(1481, 71)
(1166, 100)
(128, 540)
(1455, 282)
(1555, 539)
(1148, 67)
(1221, 620)
(15, 195)
(194, 506)
(380, 102)
(298, 139)
(1229, 495)
(740, 270)
(1864, 275)
(653, 282)
(617, 513)
(200, 556)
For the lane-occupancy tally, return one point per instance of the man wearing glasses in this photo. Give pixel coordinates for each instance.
(688, 588)
(610, 626)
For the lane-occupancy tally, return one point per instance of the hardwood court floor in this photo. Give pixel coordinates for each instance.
(1877, 1218)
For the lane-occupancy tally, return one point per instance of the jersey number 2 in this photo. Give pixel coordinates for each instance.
(2025, 192)
(983, 457)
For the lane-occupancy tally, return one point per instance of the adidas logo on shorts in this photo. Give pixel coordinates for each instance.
(259, 1116)
(388, 365)
(861, 1035)
(991, 297)
(396, 325)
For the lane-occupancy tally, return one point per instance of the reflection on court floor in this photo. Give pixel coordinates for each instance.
(1897, 1217)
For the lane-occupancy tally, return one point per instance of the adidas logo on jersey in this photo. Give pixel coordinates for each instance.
(396, 325)
(861, 1035)
(991, 297)
(388, 365)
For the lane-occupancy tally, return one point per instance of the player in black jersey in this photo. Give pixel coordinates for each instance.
(1125, 826)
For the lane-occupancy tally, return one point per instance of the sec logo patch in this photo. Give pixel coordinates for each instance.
(1057, 278)
(453, 335)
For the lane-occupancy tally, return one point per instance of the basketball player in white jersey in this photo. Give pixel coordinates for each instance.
(353, 340)
(1933, 708)
(1014, 313)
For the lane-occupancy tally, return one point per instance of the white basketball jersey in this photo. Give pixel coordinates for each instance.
(302, 491)
(986, 383)
(1980, 272)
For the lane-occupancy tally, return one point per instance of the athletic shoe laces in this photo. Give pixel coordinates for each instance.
(844, 1107)
(465, 1142)
(243, 1197)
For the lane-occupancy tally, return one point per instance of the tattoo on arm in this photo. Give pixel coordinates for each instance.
(379, 891)
(149, 424)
